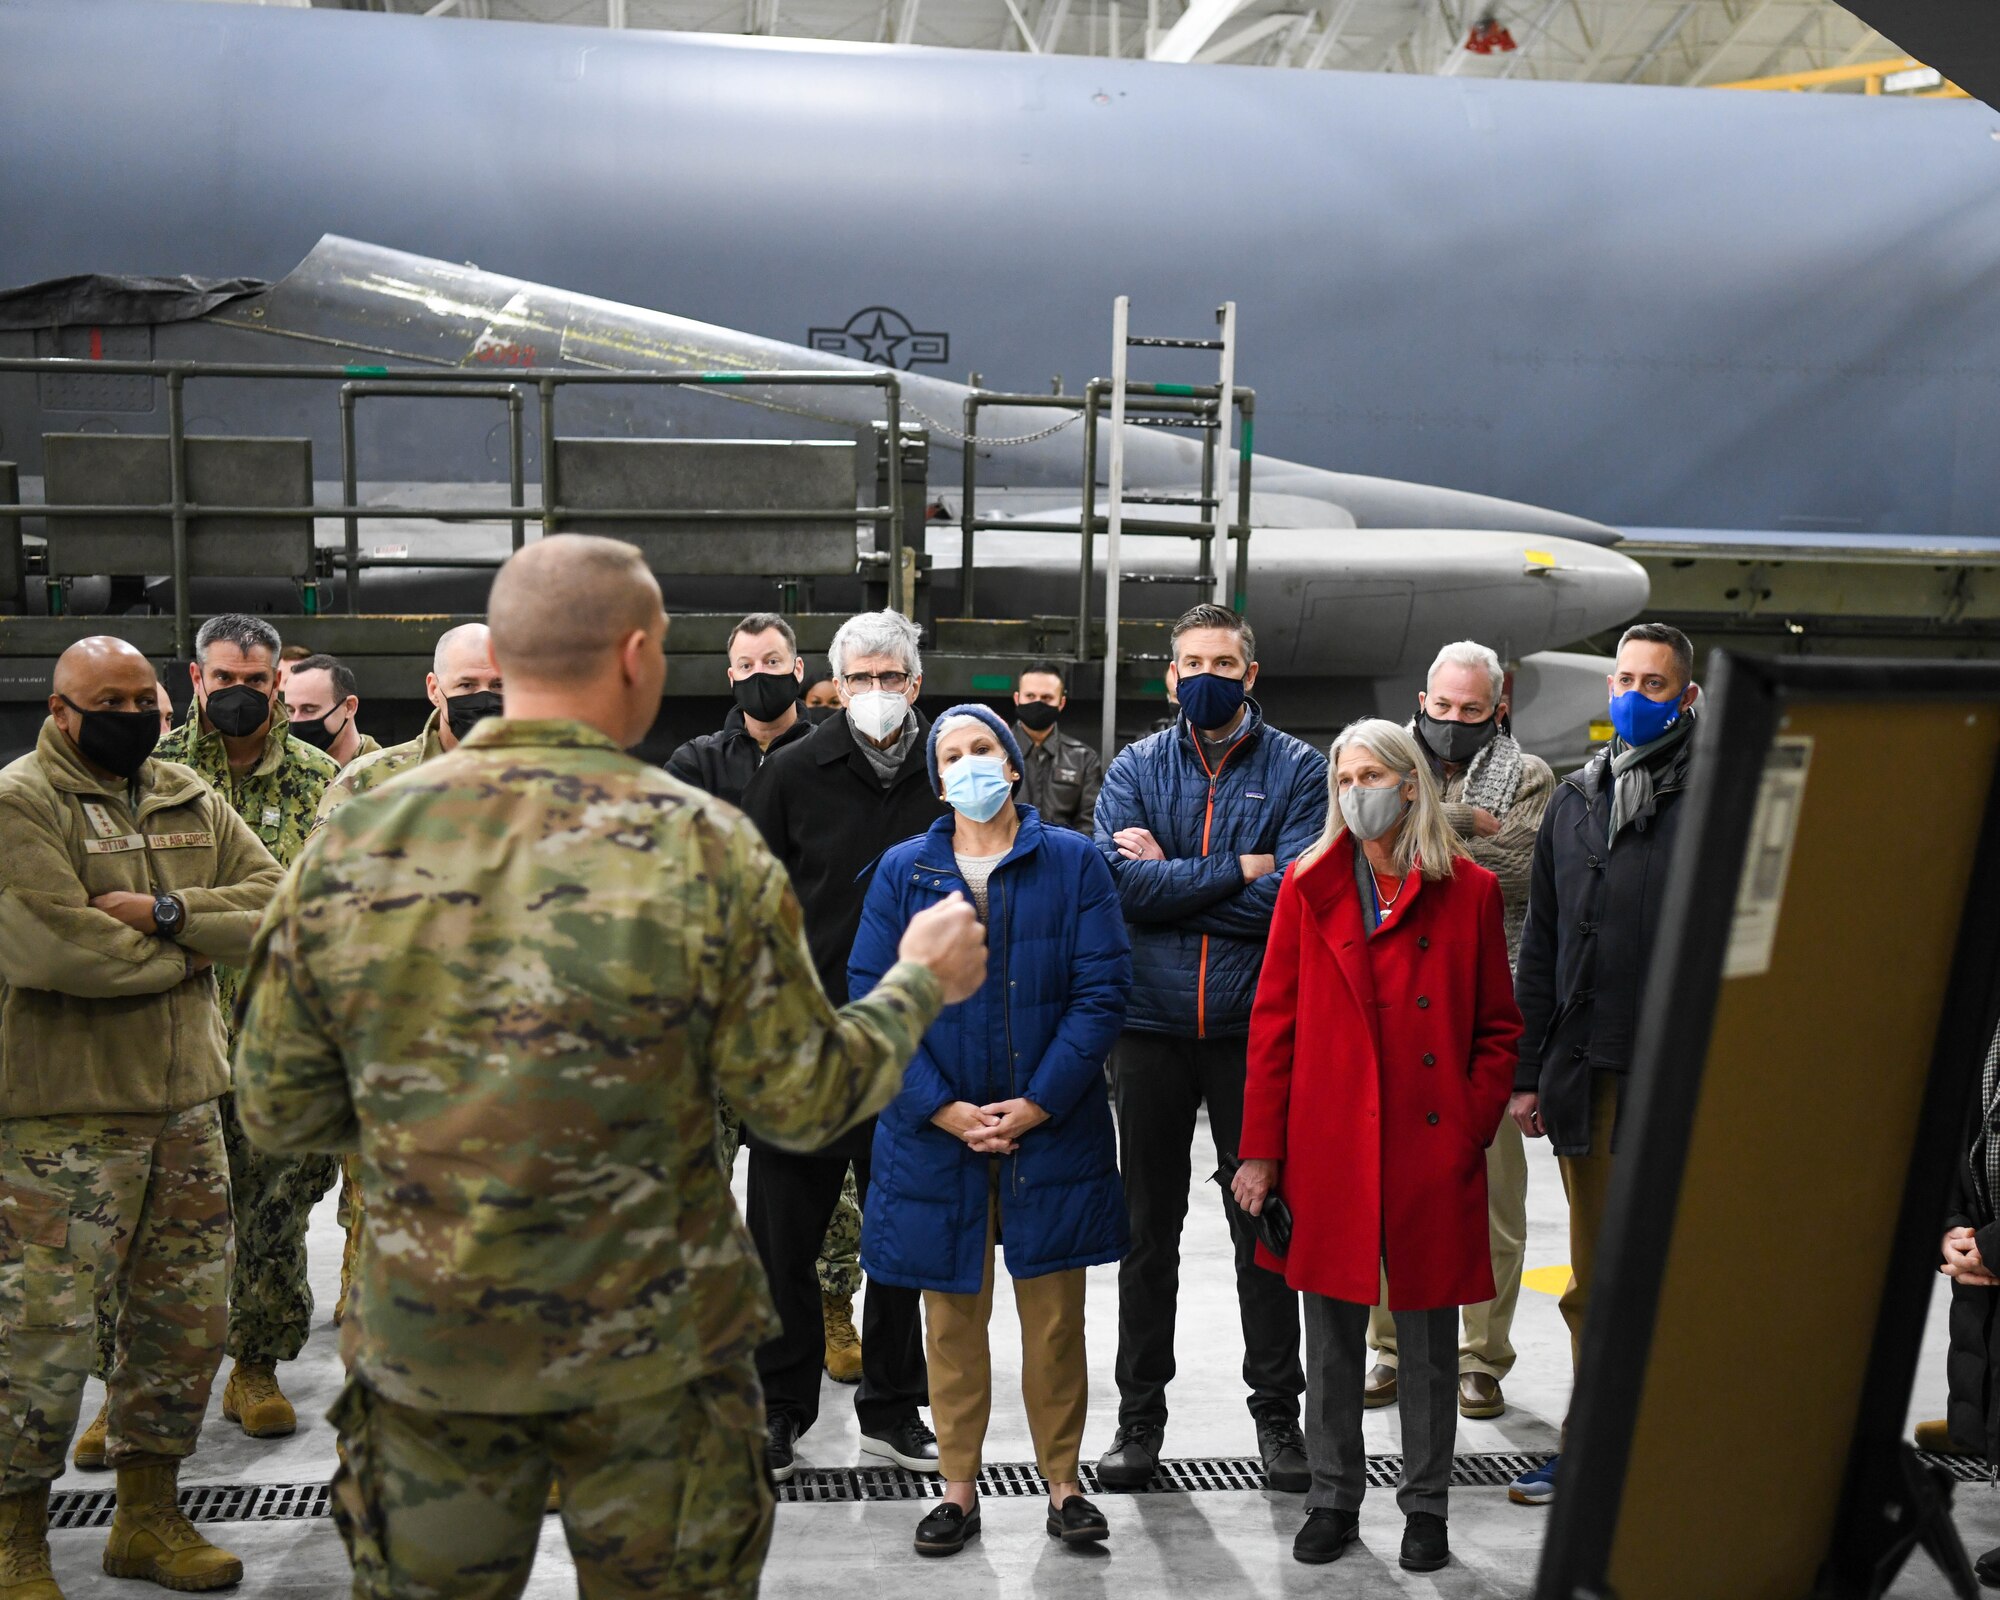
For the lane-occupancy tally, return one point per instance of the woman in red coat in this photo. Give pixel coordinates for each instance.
(1382, 1050)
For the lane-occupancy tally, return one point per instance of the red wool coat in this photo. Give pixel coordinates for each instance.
(1379, 1071)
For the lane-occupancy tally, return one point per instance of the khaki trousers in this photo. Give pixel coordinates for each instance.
(1055, 1383)
(1488, 1344)
(1587, 1184)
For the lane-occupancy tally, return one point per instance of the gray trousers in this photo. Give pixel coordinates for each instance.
(1426, 1392)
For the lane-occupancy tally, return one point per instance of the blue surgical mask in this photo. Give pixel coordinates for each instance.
(1209, 700)
(1639, 720)
(978, 787)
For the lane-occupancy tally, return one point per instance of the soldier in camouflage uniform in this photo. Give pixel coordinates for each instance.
(513, 981)
(237, 737)
(463, 687)
(123, 879)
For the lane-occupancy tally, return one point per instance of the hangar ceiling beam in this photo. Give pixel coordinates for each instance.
(1244, 37)
(1301, 26)
(1329, 41)
(1661, 40)
(1198, 24)
(1021, 22)
(1536, 31)
(1729, 42)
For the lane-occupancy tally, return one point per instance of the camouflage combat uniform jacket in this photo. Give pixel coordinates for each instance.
(378, 766)
(515, 980)
(95, 1017)
(278, 797)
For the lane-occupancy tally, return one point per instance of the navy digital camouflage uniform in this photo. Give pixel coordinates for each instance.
(513, 982)
(271, 1198)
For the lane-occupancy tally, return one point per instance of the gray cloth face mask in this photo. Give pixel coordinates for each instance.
(1370, 813)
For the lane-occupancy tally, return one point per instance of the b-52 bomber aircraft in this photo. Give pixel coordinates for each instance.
(1353, 581)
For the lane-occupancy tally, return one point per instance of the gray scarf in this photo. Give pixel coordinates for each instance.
(1493, 777)
(887, 763)
(1632, 774)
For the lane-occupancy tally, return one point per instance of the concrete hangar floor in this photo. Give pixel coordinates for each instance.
(1233, 1543)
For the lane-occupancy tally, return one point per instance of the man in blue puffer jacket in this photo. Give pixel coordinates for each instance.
(1198, 823)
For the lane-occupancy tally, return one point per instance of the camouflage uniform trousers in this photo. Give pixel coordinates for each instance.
(139, 1202)
(840, 1251)
(270, 1301)
(661, 1495)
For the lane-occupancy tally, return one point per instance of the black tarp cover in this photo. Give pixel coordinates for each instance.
(105, 300)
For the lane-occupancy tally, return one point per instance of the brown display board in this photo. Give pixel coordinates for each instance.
(1814, 1025)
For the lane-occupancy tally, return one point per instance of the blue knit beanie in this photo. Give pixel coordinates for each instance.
(1001, 732)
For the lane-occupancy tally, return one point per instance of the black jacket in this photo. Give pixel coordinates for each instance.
(1972, 1359)
(1592, 913)
(723, 763)
(1060, 778)
(828, 819)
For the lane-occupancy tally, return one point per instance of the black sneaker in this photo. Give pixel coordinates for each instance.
(1425, 1547)
(781, 1434)
(1077, 1521)
(1326, 1535)
(945, 1530)
(1283, 1448)
(910, 1444)
(1134, 1453)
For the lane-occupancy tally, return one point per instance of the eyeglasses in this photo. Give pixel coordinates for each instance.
(862, 682)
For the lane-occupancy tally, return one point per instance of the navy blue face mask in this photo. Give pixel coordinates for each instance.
(1209, 701)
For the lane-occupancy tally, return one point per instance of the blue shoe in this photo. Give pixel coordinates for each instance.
(1536, 1486)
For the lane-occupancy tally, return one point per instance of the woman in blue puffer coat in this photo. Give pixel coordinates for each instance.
(1002, 1132)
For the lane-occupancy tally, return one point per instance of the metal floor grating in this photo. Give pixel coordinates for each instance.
(817, 1485)
(265, 1502)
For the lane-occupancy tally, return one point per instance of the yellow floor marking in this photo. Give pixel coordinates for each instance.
(1547, 1280)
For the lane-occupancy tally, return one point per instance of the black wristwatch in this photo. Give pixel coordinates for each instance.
(169, 916)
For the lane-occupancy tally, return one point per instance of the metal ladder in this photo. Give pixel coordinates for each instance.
(1212, 502)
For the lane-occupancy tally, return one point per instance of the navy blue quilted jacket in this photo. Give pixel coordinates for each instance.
(1058, 968)
(1197, 928)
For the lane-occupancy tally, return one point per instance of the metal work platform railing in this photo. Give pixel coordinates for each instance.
(363, 381)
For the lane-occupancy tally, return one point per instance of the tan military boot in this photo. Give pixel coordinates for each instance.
(89, 1453)
(843, 1344)
(151, 1539)
(253, 1399)
(24, 1547)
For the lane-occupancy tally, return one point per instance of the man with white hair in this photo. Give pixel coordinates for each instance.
(463, 687)
(828, 805)
(1495, 794)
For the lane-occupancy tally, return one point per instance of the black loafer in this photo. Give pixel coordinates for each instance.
(781, 1435)
(1133, 1455)
(1077, 1521)
(1425, 1547)
(1326, 1535)
(1987, 1569)
(945, 1530)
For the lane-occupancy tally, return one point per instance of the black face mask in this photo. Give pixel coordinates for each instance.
(117, 741)
(1037, 716)
(237, 711)
(1456, 742)
(316, 733)
(765, 695)
(464, 712)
